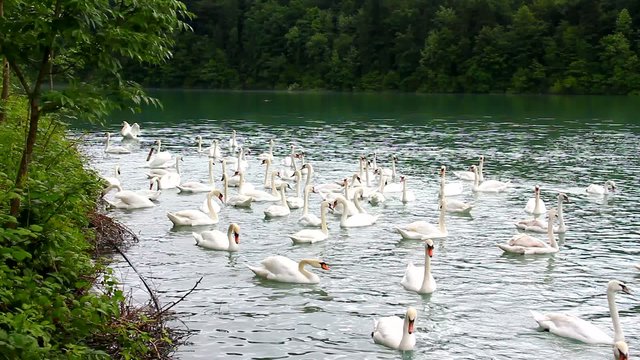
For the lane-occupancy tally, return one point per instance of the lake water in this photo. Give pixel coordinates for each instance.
(481, 307)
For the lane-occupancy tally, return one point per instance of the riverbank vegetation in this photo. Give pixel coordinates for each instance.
(477, 46)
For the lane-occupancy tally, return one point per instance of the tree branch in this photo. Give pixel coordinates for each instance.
(19, 75)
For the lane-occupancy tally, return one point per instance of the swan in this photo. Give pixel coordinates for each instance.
(233, 142)
(161, 159)
(171, 180)
(115, 149)
(268, 155)
(524, 244)
(377, 197)
(130, 132)
(216, 239)
(151, 194)
(621, 350)
(240, 164)
(573, 327)
(535, 205)
(419, 278)
(390, 173)
(197, 217)
(214, 150)
(594, 189)
(357, 220)
(260, 195)
(238, 200)
(308, 219)
(452, 189)
(492, 186)
(126, 199)
(296, 202)
(268, 178)
(540, 226)
(196, 186)
(393, 332)
(310, 236)
(422, 230)
(470, 175)
(278, 210)
(290, 160)
(407, 195)
(199, 143)
(115, 179)
(282, 269)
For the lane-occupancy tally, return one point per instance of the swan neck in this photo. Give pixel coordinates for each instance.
(211, 181)
(404, 190)
(266, 172)
(212, 214)
(178, 165)
(356, 201)
(274, 190)
(552, 238)
(345, 210)
(323, 218)
(226, 188)
(393, 169)
(305, 205)
(405, 333)
(441, 221)
(283, 197)
(480, 167)
(427, 270)
(618, 334)
(302, 270)
(536, 208)
(298, 183)
(561, 224)
(366, 172)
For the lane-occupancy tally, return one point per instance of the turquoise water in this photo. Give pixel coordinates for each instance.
(481, 307)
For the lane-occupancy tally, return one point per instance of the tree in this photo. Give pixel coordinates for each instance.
(85, 44)
(4, 96)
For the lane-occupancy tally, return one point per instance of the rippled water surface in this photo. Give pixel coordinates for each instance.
(481, 307)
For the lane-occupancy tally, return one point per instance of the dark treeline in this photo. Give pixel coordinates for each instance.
(476, 46)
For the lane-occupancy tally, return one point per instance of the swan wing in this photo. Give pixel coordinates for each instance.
(526, 241)
(308, 236)
(388, 331)
(573, 327)
(413, 276)
(464, 175)
(133, 200)
(310, 220)
(214, 240)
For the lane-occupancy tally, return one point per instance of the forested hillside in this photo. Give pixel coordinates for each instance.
(475, 46)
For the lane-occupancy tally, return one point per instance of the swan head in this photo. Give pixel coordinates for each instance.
(411, 317)
(235, 229)
(481, 159)
(152, 181)
(317, 264)
(402, 178)
(621, 350)
(428, 247)
(217, 194)
(536, 189)
(552, 214)
(563, 197)
(443, 170)
(618, 286)
(611, 185)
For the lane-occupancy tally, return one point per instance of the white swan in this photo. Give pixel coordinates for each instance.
(540, 226)
(470, 175)
(161, 159)
(356, 220)
(237, 200)
(171, 180)
(196, 186)
(296, 202)
(535, 205)
(151, 194)
(407, 195)
(310, 236)
(377, 196)
(126, 199)
(233, 142)
(524, 244)
(394, 332)
(111, 149)
(573, 327)
(451, 189)
(282, 269)
(422, 230)
(214, 150)
(278, 210)
(130, 132)
(217, 240)
(492, 186)
(197, 217)
(259, 195)
(115, 179)
(308, 219)
(269, 154)
(594, 189)
(419, 278)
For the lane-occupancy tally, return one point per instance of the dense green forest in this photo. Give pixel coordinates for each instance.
(476, 46)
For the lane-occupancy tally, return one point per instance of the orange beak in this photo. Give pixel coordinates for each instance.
(410, 330)
(236, 237)
(324, 266)
(430, 251)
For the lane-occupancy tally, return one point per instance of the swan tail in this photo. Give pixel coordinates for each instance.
(174, 219)
(539, 318)
(511, 249)
(197, 237)
(259, 271)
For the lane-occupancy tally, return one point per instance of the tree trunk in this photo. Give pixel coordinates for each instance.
(21, 178)
(5, 76)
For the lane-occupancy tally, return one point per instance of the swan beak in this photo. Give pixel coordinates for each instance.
(150, 153)
(221, 197)
(430, 251)
(626, 290)
(410, 330)
(324, 266)
(236, 237)
(151, 186)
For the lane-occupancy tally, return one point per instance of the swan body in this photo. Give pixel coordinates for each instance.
(171, 180)
(458, 207)
(310, 236)
(394, 332)
(217, 240)
(197, 217)
(595, 189)
(540, 226)
(282, 269)
(575, 328)
(130, 132)
(162, 159)
(490, 186)
(470, 175)
(422, 230)
(419, 278)
(357, 220)
(528, 245)
(536, 205)
(126, 199)
(115, 149)
(278, 210)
